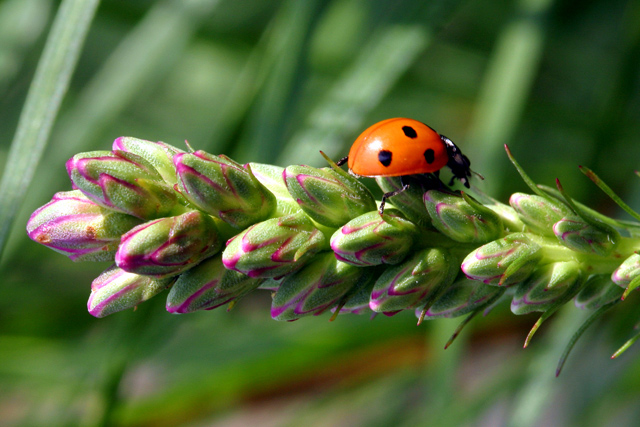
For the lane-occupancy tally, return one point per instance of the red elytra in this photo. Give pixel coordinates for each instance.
(403, 147)
(397, 147)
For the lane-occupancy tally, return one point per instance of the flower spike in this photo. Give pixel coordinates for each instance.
(314, 239)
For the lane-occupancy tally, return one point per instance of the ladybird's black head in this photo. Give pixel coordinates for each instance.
(458, 162)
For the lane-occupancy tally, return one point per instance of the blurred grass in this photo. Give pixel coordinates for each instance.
(276, 82)
(505, 88)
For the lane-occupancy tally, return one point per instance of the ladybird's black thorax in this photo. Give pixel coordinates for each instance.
(458, 163)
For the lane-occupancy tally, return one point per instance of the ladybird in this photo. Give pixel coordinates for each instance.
(403, 147)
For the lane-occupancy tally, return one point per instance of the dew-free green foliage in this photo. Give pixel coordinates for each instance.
(274, 82)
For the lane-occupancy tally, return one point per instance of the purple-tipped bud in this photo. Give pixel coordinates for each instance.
(79, 228)
(503, 262)
(406, 285)
(463, 297)
(547, 286)
(597, 292)
(628, 271)
(207, 286)
(275, 247)
(580, 236)
(224, 188)
(539, 213)
(116, 290)
(316, 287)
(168, 246)
(124, 182)
(327, 197)
(159, 154)
(462, 219)
(409, 201)
(373, 239)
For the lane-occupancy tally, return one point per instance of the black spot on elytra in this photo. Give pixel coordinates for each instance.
(429, 155)
(384, 157)
(410, 132)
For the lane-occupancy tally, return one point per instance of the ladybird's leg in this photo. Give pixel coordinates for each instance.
(342, 161)
(438, 184)
(430, 181)
(385, 196)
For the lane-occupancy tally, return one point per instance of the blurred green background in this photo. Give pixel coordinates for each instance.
(274, 82)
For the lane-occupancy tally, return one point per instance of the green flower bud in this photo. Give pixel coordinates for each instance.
(409, 201)
(539, 213)
(269, 284)
(358, 303)
(159, 154)
(463, 297)
(327, 197)
(503, 262)
(79, 228)
(373, 239)
(578, 235)
(123, 182)
(408, 284)
(510, 218)
(275, 247)
(271, 177)
(222, 187)
(548, 285)
(116, 290)
(168, 246)
(628, 271)
(462, 218)
(316, 287)
(208, 285)
(597, 292)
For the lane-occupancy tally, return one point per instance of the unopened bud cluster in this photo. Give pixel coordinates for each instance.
(209, 231)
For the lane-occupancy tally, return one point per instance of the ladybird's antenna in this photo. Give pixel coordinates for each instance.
(342, 161)
(477, 174)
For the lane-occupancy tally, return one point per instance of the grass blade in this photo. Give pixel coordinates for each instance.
(382, 61)
(149, 51)
(42, 104)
